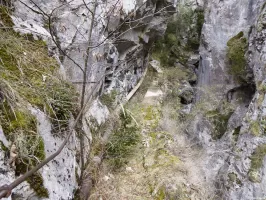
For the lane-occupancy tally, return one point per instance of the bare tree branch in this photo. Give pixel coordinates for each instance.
(84, 83)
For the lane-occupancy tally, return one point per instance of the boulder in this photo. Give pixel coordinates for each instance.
(186, 93)
(156, 65)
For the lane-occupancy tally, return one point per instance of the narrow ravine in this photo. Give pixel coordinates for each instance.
(133, 100)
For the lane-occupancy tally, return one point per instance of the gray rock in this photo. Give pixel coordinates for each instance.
(186, 93)
(97, 111)
(193, 59)
(156, 65)
(223, 20)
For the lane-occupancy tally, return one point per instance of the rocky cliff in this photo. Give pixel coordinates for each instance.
(194, 130)
(236, 159)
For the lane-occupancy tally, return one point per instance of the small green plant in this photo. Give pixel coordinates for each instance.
(3, 147)
(109, 99)
(161, 194)
(122, 142)
(237, 47)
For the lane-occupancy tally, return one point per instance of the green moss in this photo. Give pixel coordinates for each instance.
(255, 128)
(36, 183)
(16, 120)
(149, 113)
(25, 163)
(122, 142)
(237, 47)
(233, 178)
(5, 17)
(257, 157)
(254, 176)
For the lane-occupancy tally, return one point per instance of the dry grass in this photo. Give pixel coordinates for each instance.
(160, 168)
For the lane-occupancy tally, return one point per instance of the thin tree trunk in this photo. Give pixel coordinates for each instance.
(85, 74)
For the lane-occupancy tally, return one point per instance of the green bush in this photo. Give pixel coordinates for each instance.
(122, 142)
(237, 47)
(187, 24)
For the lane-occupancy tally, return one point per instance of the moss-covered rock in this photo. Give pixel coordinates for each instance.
(255, 128)
(35, 147)
(233, 178)
(256, 158)
(36, 183)
(29, 76)
(237, 47)
(3, 147)
(254, 176)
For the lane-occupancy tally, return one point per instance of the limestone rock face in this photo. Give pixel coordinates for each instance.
(223, 20)
(251, 140)
(233, 159)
